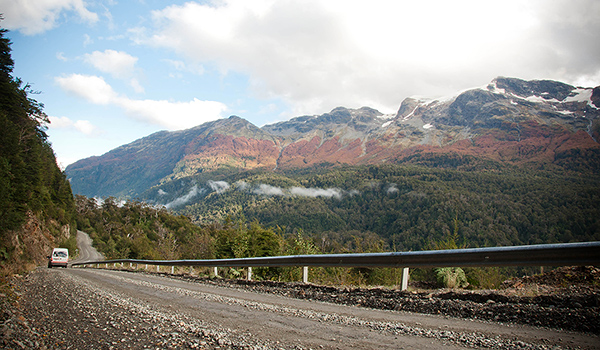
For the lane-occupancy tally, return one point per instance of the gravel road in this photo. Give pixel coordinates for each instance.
(103, 309)
(81, 308)
(86, 251)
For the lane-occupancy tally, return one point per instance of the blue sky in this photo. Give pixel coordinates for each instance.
(110, 72)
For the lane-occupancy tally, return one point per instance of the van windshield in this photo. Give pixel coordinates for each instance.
(60, 254)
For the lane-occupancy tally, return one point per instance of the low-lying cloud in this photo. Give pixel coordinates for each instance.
(261, 189)
(392, 188)
(194, 191)
(218, 186)
(268, 190)
(317, 192)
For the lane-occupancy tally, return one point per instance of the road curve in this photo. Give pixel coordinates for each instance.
(86, 251)
(88, 308)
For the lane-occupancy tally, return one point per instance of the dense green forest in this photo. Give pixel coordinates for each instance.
(410, 206)
(354, 210)
(36, 204)
(137, 230)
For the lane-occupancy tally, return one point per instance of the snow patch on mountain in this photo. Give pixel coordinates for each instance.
(581, 95)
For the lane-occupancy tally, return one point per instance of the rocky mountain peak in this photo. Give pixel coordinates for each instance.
(233, 126)
(510, 120)
(328, 123)
(546, 89)
(596, 96)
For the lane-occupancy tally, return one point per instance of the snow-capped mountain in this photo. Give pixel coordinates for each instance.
(509, 121)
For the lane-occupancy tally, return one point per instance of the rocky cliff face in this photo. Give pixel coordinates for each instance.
(510, 120)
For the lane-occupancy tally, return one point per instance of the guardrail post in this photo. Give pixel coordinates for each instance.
(249, 276)
(172, 270)
(157, 268)
(405, 278)
(146, 268)
(216, 271)
(305, 274)
(191, 271)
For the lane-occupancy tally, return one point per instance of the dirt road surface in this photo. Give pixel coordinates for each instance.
(84, 308)
(103, 309)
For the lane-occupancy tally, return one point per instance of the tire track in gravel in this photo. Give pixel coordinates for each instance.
(241, 319)
(303, 324)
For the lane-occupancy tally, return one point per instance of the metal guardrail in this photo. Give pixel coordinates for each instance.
(563, 254)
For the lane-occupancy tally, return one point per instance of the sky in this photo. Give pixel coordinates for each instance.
(112, 71)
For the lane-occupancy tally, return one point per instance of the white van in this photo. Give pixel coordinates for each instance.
(59, 257)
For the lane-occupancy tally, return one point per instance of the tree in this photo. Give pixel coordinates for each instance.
(32, 187)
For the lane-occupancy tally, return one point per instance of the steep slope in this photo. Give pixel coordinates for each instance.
(130, 169)
(36, 203)
(510, 120)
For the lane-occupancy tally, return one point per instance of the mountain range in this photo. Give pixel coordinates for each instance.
(538, 123)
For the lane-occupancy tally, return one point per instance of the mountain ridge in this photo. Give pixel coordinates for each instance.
(509, 120)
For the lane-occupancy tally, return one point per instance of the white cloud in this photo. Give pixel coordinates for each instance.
(241, 185)
(118, 64)
(268, 190)
(87, 40)
(61, 56)
(316, 192)
(115, 63)
(60, 122)
(194, 68)
(218, 186)
(83, 126)
(135, 84)
(37, 16)
(321, 54)
(172, 115)
(392, 188)
(194, 191)
(91, 88)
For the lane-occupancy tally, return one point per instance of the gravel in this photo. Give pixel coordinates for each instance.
(80, 317)
(35, 315)
(573, 308)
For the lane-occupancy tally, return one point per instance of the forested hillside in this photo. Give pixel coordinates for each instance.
(140, 231)
(410, 206)
(36, 203)
(137, 230)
